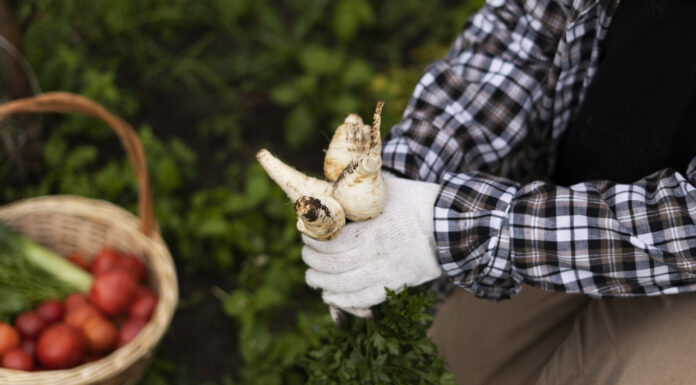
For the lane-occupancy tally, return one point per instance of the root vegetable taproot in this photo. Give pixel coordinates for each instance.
(356, 189)
(293, 182)
(350, 140)
(362, 178)
(321, 218)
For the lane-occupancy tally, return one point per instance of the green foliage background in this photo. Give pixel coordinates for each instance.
(207, 83)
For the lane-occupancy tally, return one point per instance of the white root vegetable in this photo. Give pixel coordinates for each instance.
(321, 218)
(319, 215)
(358, 193)
(360, 188)
(351, 140)
(293, 182)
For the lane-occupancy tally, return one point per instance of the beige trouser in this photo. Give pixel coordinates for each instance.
(544, 338)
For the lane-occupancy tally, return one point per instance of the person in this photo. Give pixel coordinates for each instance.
(550, 158)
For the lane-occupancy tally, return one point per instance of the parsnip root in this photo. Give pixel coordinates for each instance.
(360, 188)
(321, 218)
(352, 139)
(293, 182)
(354, 163)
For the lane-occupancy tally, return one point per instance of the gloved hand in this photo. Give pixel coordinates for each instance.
(395, 248)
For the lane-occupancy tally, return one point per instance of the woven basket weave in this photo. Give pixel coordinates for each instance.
(69, 224)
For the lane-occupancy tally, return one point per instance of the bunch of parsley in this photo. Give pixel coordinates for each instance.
(391, 348)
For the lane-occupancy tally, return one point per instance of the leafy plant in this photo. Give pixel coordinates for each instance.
(392, 348)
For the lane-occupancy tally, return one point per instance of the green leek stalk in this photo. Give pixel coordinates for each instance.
(30, 274)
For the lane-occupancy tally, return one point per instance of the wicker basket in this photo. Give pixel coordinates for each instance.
(68, 224)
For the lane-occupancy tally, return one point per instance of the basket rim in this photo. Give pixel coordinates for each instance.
(154, 249)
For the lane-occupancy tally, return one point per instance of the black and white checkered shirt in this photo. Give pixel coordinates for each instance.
(499, 104)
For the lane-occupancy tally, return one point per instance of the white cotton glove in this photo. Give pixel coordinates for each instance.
(395, 248)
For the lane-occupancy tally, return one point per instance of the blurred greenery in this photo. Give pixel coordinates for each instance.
(207, 83)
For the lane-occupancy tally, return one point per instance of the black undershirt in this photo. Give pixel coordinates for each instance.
(639, 112)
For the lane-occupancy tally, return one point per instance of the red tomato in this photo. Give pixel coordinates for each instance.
(100, 334)
(105, 261)
(51, 310)
(60, 347)
(74, 300)
(113, 291)
(9, 338)
(78, 260)
(30, 324)
(143, 306)
(129, 330)
(17, 359)
(142, 290)
(132, 265)
(28, 346)
(77, 317)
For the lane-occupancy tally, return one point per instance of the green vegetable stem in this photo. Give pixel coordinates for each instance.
(30, 273)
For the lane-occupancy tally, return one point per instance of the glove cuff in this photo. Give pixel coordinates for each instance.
(417, 201)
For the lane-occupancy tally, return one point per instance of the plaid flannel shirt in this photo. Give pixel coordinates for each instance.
(498, 104)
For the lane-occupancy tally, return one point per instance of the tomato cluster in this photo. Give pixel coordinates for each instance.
(82, 328)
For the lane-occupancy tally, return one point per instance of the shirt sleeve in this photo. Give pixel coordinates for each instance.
(468, 113)
(599, 238)
(471, 109)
